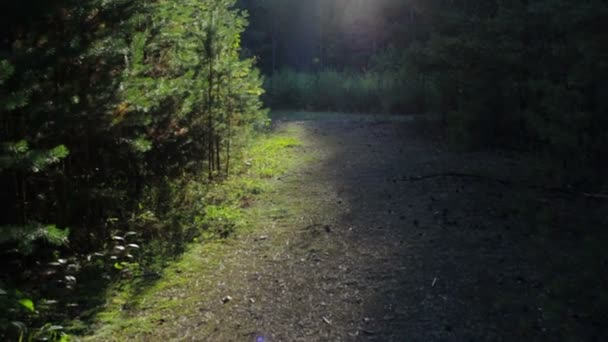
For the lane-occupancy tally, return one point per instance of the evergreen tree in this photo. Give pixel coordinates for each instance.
(107, 107)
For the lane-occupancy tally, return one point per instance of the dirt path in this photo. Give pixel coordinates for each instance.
(346, 249)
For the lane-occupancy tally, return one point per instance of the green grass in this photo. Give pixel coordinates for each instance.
(262, 164)
(373, 92)
(129, 313)
(135, 307)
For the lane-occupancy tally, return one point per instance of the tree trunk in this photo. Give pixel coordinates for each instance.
(274, 52)
(209, 113)
(218, 165)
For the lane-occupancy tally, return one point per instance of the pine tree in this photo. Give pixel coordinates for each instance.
(106, 108)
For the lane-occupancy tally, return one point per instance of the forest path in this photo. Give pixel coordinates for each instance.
(347, 249)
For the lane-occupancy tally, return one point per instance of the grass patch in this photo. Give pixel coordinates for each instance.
(262, 162)
(373, 92)
(221, 220)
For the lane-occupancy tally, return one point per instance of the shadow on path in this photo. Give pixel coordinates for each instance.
(444, 259)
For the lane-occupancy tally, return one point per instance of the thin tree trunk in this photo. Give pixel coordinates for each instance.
(209, 112)
(228, 156)
(210, 156)
(24, 199)
(20, 207)
(274, 52)
(218, 165)
(229, 140)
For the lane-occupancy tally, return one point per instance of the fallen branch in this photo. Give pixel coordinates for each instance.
(596, 196)
(506, 182)
(457, 175)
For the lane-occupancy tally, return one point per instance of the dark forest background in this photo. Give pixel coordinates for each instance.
(518, 74)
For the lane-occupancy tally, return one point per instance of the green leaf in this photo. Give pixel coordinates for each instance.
(14, 100)
(28, 304)
(25, 235)
(141, 145)
(58, 152)
(6, 71)
(19, 147)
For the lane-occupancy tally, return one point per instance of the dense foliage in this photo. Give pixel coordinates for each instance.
(524, 74)
(108, 108)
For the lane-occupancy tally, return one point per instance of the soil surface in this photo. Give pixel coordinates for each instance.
(352, 248)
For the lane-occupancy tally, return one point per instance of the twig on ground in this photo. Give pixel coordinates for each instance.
(505, 182)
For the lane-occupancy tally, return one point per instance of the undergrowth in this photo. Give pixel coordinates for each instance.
(344, 91)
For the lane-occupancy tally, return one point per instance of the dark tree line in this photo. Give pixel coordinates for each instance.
(522, 74)
(525, 74)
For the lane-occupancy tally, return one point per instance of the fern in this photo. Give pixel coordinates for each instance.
(25, 236)
(17, 155)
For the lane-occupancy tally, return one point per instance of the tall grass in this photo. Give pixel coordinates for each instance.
(331, 90)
